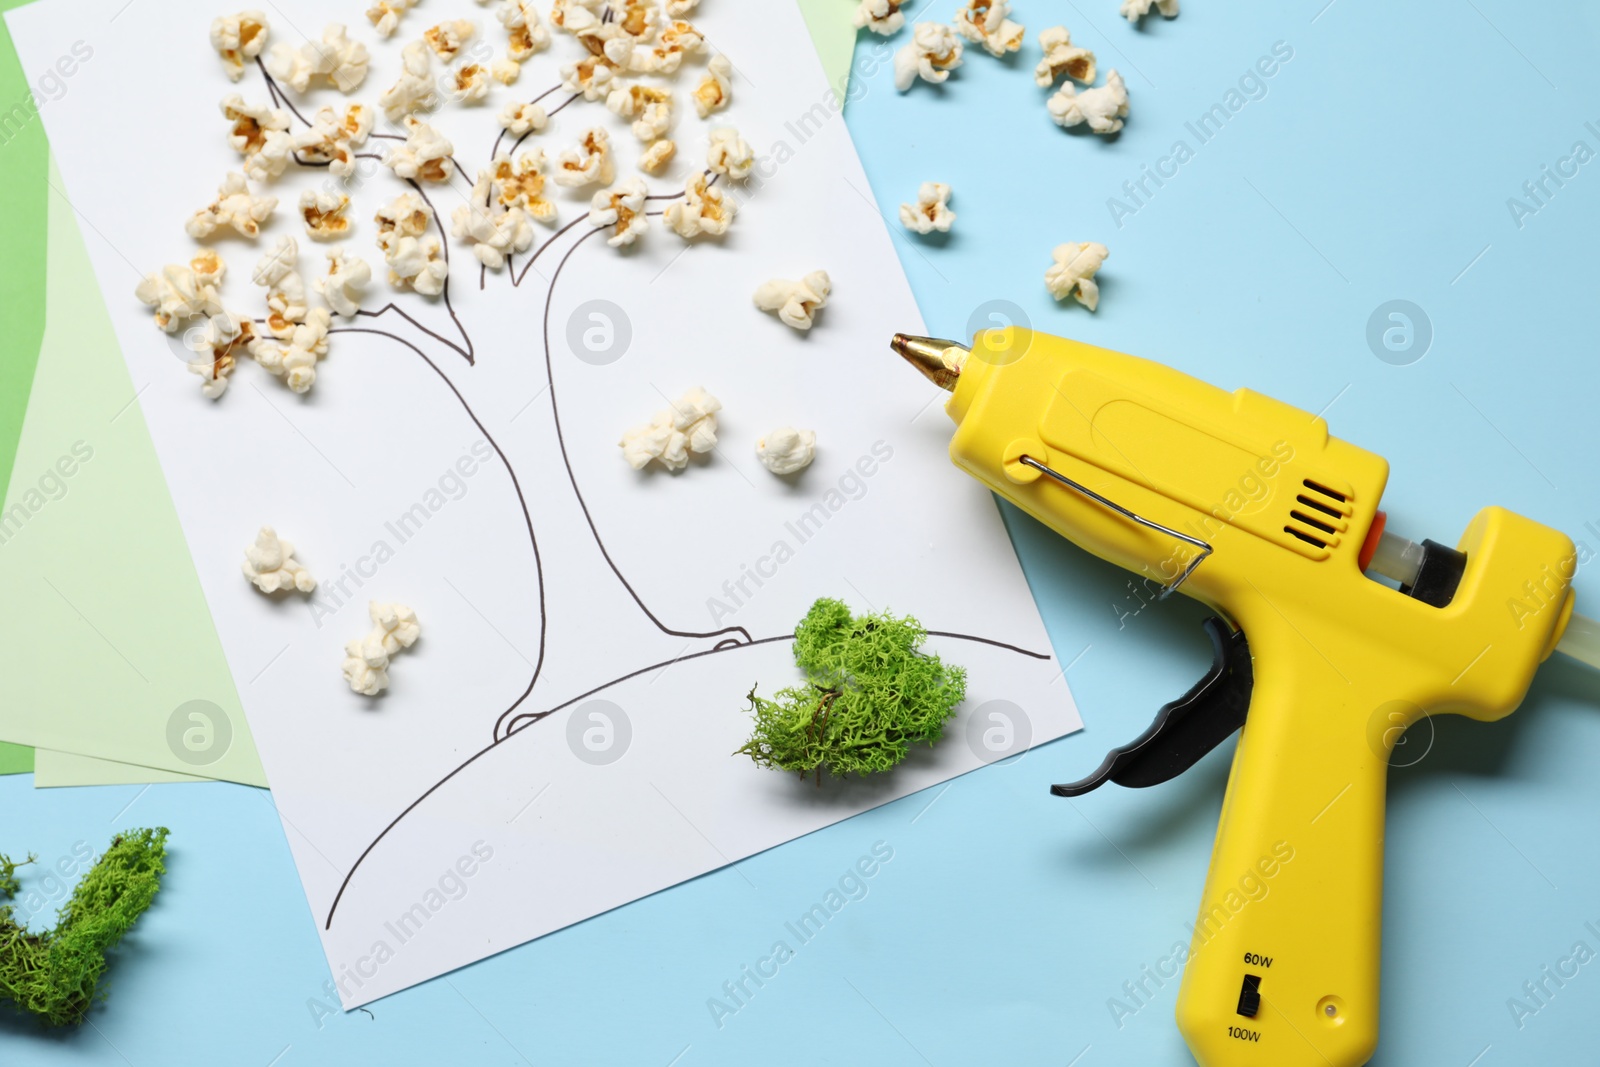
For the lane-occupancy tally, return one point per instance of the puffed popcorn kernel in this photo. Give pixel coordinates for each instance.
(985, 22)
(522, 119)
(689, 425)
(385, 15)
(239, 39)
(1103, 107)
(730, 154)
(1134, 10)
(880, 16)
(260, 135)
(590, 160)
(654, 160)
(271, 566)
(415, 90)
(622, 209)
(933, 53)
(341, 61)
(333, 138)
(637, 18)
(528, 35)
(931, 211)
(787, 450)
(234, 208)
(715, 89)
(679, 8)
(308, 344)
(492, 234)
(279, 273)
(796, 303)
(344, 283)
(179, 293)
(447, 38)
(561, 11)
(649, 107)
(367, 659)
(221, 339)
(1061, 57)
(324, 214)
(592, 77)
(407, 215)
(702, 209)
(417, 262)
(469, 83)
(208, 267)
(505, 71)
(425, 155)
(521, 184)
(676, 40)
(1074, 270)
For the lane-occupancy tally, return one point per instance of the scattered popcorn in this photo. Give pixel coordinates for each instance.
(341, 61)
(271, 566)
(787, 450)
(654, 160)
(407, 215)
(521, 184)
(1061, 57)
(880, 16)
(424, 156)
(413, 259)
(218, 344)
(621, 208)
(447, 38)
(324, 213)
(713, 92)
(235, 208)
(522, 24)
(366, 663)
(689, 425)
(796, 302)
(343, 284)
(333, 138)
(308, 344)
(469, 83)
(385, 15)
(522, 119)
(1103, 107)
(575, 12)
(415, 91)
(493, 235)
(985, 22)
(505, 71)
(592, 77)
(1134, 10)
(649, 107)
(208, 268)
(931, 211)
(703, 209)
(679, 8)
(730, 154)
(590, 160)
(260, 135)
(676, 40)
(180, 293)
(1074, 270)
(239, 39)
(637, 18)
(933, 53)
(279, 273)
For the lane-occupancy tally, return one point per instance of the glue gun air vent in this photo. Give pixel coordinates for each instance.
(1318, 515)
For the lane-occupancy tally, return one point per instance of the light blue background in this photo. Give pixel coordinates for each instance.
(1377, 167)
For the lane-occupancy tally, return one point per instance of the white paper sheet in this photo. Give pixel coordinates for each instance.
(440, 844)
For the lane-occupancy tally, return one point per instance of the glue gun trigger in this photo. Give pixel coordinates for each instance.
(1186, 729)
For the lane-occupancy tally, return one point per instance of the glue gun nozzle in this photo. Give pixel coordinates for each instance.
(939, 361)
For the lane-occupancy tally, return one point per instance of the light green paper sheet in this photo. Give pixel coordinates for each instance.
(834, 35)
(53, 769)
(109, 632)
(15, 759)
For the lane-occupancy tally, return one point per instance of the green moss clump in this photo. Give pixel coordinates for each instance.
(869, 695)
(54, 975)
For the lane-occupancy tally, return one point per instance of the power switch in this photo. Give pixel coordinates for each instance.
(1250, 996)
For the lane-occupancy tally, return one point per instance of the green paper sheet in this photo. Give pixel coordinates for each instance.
(834, 36)
(15, 759)
(53, 769)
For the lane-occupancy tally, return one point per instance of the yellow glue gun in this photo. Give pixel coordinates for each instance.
(1249, 506)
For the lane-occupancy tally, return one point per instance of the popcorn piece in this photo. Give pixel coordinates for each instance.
(715, 89)
(590, 160)
(367, 659)
(522, 119)
(730, 154)
(343, 285)
(796, 303)
(239, 39)
(324, 214)
(521, 184)
(528, 35)
(654, 159)
(787, 450)
(703, 209)
(637, 18)
(270, 564)
(505, 71)
(571, 15)
(1103, 107)
(413, 259)
(218, 344)
(385, 15)
(931, 211)
(880, 16)
(985, 22)
(675, 41)
(1061, 57)
(260, 135)
(336, 58)
(1074, 270)
(333, 138)
(621, 208)
(469, 83)
(180, 293)
(407, 215)
(308, 344)
(278, 271)
(649, 107)
(689, 425)
(1134, 10)
(235, 208)
(592, 77)
(447, 38)
(933, 53)
(679, 8)
(415, 90)
(425, 155)
(492, 234)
